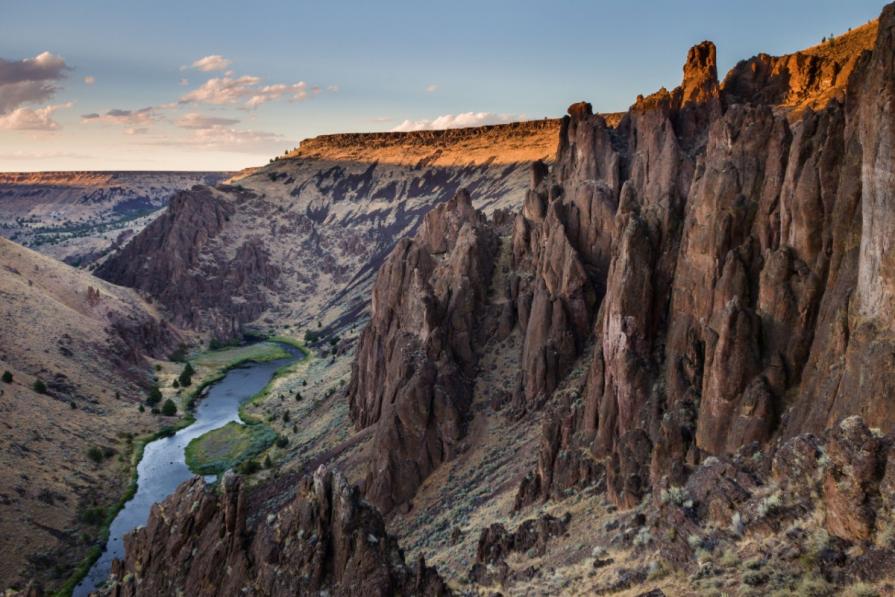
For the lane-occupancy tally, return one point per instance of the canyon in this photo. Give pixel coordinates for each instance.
(646, 353)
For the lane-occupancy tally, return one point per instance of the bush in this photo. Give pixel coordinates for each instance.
(7, 377)
(282, 441)
(95, 454)
(286, 417)
(179, 355)
(39, 387)
(155, 396)
(176, 384)
(142, 408)
(169, 409)
(186, 376)
(311, 337)
(249, 467)
(267, 462)
(93, 516)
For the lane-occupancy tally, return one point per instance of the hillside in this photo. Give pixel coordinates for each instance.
(664, 369)
(79, 216)
(89, 343)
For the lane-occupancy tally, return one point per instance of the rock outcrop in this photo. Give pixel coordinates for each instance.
(412, 373)
(735, 294)
(200, 542)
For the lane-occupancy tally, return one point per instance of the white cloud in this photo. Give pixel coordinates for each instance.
(333, 88)
(39, 119)
(89, 80)
(212, 63)
(248, 91)
(455, 121)
(194, 120)
(30, 80)
(431, 88)
(184, 82)
(132, 119)
(222, 90)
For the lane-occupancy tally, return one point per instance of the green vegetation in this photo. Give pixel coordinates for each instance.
(227, 447)
(169, 409)
(155, 396)
(179, 355)
(95, 454)
(39, 387)
(7, 377)
(249, 467)
(186, 376)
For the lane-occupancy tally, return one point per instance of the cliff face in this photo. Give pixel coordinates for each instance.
(733, 310)
(299, 241)
(199, 543)
(713, 250)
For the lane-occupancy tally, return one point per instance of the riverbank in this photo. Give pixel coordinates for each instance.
(210, 367)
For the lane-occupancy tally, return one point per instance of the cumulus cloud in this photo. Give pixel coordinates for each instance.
(89, 80)
(212, 63)
(28, 119)
(456, 121)
(31, 80)
(222, 90)
(431, 88)
(194, 120)
(132, 119)
(248, 92)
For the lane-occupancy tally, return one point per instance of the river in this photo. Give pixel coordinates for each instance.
(163, 466)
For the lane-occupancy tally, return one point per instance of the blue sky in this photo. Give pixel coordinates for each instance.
(113, 83)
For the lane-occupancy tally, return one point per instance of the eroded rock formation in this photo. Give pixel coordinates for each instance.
(199, 542)
(412, 373)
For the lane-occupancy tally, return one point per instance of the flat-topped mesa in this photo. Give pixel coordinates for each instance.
(501, 144)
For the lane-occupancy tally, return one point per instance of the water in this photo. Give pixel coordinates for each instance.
(163, 466)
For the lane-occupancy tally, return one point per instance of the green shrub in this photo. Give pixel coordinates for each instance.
(311, 337)
(169, 409)
(249, 467)
(155, 396)
(186, 376)
(39, 387)
(95, 454)
(267, 462)
(282, 441)
(179, 355)
(7, 377)
(141, 408)
(93, 516)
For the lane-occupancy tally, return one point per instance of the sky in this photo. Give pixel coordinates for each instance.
(223, 85)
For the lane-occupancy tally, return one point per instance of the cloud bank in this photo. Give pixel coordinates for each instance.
(30, 81)
(456, 121)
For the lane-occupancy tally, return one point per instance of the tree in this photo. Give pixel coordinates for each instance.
(267, 462)
(7, 377)
(95, 454)
(249, 467)
(282, 441)
(39, 387)
(155, 396)
(186, 376)
(169, 409)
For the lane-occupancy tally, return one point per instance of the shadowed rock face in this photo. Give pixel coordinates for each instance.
(699, 246)
(412, 373)
(737, 291)
(198, 542)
